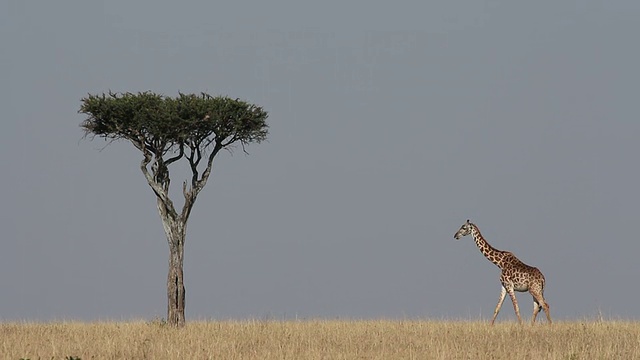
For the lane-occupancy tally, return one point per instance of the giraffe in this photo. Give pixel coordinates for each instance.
(516, 275)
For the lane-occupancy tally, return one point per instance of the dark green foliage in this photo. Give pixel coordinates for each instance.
(159, 123)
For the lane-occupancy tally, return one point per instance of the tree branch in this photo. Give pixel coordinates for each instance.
(194, 160)
(177, 157)
(197, 184)
(161, 193)
(205, 175)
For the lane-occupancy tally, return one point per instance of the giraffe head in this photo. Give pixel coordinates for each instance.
(465, 230)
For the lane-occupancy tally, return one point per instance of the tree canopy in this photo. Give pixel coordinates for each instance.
(167, 129)
(159, 123)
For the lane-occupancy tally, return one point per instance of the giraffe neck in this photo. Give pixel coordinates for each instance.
(494, 255)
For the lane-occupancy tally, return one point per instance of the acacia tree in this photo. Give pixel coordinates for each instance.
(165, 129)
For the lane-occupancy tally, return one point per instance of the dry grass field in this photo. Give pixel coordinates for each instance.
(321, 339)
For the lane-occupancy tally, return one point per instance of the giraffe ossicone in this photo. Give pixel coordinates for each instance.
(515, 276)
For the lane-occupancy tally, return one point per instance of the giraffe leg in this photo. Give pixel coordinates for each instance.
(503, 293)
(541, 303)
(545, 307)
(512, 294)
(536, 310)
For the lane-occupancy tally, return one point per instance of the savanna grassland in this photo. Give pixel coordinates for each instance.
(321, 339)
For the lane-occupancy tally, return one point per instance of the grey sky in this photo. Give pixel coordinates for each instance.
(390, 125)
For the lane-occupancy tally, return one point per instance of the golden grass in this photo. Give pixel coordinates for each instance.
(321, 339)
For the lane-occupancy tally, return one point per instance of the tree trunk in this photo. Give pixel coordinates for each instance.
(175, 284)
(174, 224)
(175, 230)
